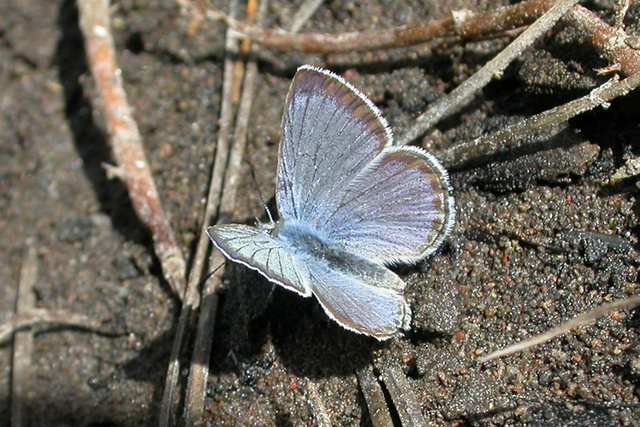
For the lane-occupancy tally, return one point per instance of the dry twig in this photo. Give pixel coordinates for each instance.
(513, 137)
(23, 341)
(125, 140)
(402, 395)
(317, 405)
(50, 318)
(193, 300)
(576, 322)
(306, 11)
(610, 42)
(463, 93)
(199, 368)
(460, 25)
(374, 397)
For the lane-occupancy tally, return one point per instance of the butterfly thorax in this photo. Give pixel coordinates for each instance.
(301, 237)
(310, 243)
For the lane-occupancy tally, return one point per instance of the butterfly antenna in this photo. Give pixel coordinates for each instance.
(209, 274)
(266, 208)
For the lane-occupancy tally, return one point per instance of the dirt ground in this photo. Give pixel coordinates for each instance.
(539, 238)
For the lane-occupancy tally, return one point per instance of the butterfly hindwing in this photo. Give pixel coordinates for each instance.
(370, 304)
(398, 209)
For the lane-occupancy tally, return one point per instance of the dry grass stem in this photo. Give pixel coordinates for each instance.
(610, 42)
(401, 393)
(317, 405)
(126, 141)
(303, 14)
(519, 134)
(374, 397)
(39, 317)
(576, 322)
(199, 368)
(23, 341)
(192, 300)
(629, 169)
(471, 26)
(453, 101)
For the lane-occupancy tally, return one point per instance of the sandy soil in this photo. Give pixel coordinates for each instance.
(539, 238)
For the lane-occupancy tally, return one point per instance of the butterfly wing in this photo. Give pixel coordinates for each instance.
(398, 209)
(330, 133)
(367, 300)
(256, 249)
(339, 174)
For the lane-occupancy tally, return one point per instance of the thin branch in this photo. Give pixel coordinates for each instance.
(629, 169)
(51, 318)
(576, 322)
(463, 93)
(620, 8)
(402, 395)
(23, 341)
(170, 396)
(610, 42)
(463, 25)
(519, 134)
(126, 141)
(374, 397)
(199, 369)
(317, 405)
(303, 14)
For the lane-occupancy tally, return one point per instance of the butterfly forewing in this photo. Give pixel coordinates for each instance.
(338, 172)
(256, 249)
(331, 133)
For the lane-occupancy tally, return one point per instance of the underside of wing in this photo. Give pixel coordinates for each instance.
(256, 249)
(398, 209)
(330, 133)
(376, 309)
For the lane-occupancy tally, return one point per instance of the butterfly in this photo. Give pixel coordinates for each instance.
(350, 204)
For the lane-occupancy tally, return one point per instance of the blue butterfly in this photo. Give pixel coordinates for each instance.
(350, 204)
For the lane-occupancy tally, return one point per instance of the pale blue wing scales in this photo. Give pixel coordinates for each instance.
(330, 133)
(359, 304)
(256, 249)
(398, 209)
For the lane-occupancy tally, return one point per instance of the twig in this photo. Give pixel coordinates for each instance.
(192, 300)
(620, 9)
(463, 93)
(576, 322)
(404, 399)
(513, 137)
(126, 142)
(23, 341)
(317, 405)
(51, 318)
(374, 397)
(610, 42)
(199, 369)
(303, 14)
(629, 169)
(468, 26)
